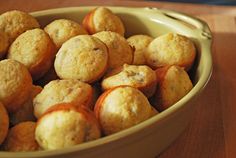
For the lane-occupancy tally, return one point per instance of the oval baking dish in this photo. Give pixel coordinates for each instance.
(152, 136)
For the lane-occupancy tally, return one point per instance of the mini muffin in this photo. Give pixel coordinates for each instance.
(35, 50)
(15, 84)
(103, 19)
(171, 49)
(173, 84)
(141, 77)
(66, 125)
(16, 22)
(26, 112)
(63, 29)
(120, 108)
(83, 57)
(119, 50)
(3, 44)
(62, 91)
(140, 43)
(21, 138)
(4, 123)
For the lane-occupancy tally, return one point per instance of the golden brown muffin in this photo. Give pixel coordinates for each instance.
(103, 19)
(120, 108)
(140, 44)
(173, 84)
(83, 57)
(4, 123)
(4, 43)
(62, 91)
(141, 77)
(171, 49)
(21, 138)
(35, 50)
(63, 29)
(15, 84)
(66, 125)
(26, 112)
(119, 50)
(16, 22)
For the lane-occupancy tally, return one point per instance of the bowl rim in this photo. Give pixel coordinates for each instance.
(203, 34)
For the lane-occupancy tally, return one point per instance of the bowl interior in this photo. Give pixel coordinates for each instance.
(137, 21)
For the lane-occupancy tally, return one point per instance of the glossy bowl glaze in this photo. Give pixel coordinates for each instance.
(152, 136)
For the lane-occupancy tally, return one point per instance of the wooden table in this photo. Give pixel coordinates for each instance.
(212, 133)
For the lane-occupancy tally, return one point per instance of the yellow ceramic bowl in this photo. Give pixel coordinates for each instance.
(152, 136)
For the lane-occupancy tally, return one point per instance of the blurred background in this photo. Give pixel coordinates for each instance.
(213, 2)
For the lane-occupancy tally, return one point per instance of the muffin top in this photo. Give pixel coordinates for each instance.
(4, 43)
(4, 123)
(81, 127)
(171, 49)
(62, 91)
(16, 22)
(120, 108)
(103, 19)
(140, 43)
(63, 29)
(15, 84)
(119, 50)
(132, 75)
(35, 50)
(83, 57)
(21, 137)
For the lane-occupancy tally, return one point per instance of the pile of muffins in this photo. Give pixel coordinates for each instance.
(69, 83)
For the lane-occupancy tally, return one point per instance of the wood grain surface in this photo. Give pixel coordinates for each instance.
(212, 132)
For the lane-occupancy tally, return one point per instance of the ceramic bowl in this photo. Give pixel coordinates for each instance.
(152, 136)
